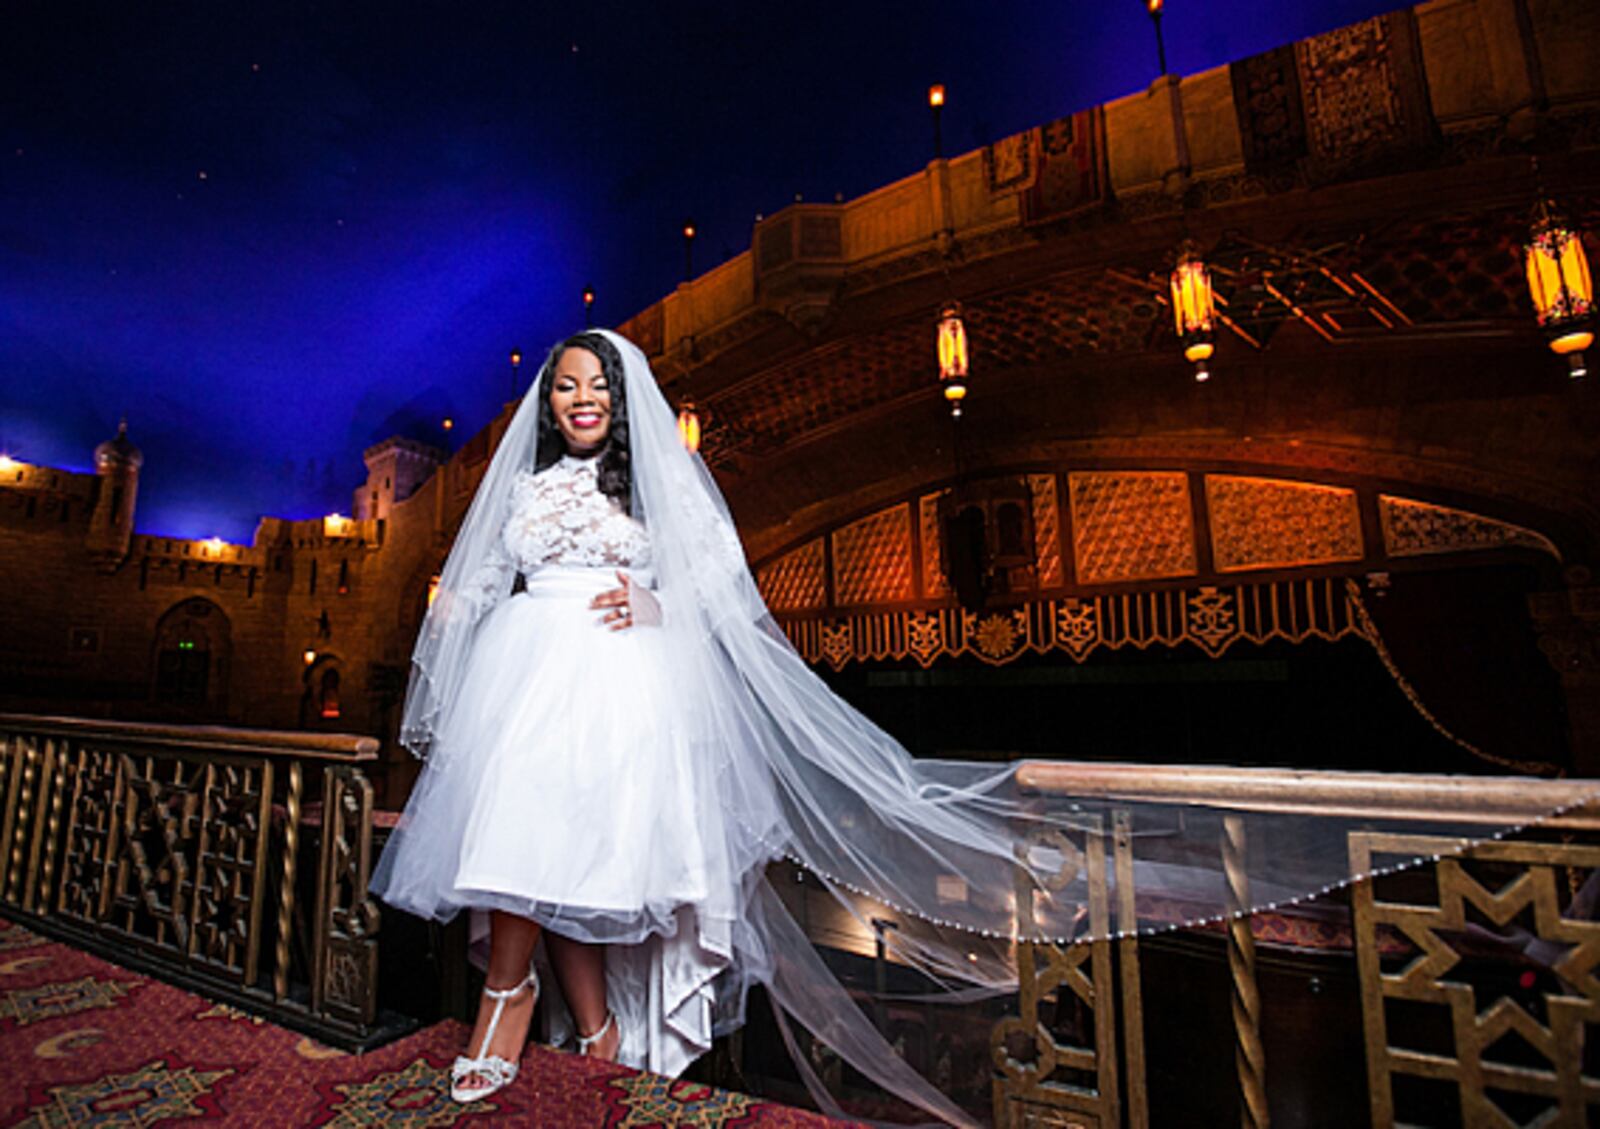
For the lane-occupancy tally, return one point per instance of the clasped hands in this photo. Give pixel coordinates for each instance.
(631, 604)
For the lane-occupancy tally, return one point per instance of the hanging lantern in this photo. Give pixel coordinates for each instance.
(1194, 309)
(1558, 280)
(953, 356)
(689, 426)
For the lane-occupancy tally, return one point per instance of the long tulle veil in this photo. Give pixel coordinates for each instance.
(961, 859)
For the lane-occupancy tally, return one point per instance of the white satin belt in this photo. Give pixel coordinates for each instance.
(579, 580)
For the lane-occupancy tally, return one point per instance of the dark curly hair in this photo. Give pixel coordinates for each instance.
(615, 469)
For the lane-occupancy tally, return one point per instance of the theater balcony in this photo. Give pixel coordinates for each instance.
(233, 864)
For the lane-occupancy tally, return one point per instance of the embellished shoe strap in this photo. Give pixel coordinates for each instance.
(500, 996)
(587, 1041)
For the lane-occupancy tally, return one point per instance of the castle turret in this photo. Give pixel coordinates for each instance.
(116, 462)
(395, 469)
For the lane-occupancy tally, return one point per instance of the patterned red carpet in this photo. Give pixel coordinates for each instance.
(83, 1042)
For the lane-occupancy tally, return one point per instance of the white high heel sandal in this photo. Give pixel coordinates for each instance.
(587, 1041)
(499, 1072)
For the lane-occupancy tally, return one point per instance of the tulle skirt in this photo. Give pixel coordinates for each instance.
(566, 786)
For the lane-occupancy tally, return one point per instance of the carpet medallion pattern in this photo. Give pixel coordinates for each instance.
(147, 1096)
(645, 1101)
(46, 1001)
(85, 1043)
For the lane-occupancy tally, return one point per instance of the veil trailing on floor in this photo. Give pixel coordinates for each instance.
(961, 860)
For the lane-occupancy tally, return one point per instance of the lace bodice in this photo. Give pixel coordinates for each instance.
(558, 516)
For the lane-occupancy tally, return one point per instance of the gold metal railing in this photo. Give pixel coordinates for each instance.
(1099, 1080)
(178, 850)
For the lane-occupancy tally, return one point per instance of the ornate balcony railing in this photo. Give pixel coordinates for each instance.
(1496, 1049)
(185, 852)
(221, 860)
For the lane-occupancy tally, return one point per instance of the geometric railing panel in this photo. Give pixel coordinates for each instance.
(186, 857)
(1057, 1058)
(1515, 1052)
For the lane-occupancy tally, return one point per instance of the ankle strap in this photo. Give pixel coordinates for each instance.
(587, 1041)
(515, 990)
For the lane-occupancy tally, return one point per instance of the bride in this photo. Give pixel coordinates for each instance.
(562, 790)
(619, 740)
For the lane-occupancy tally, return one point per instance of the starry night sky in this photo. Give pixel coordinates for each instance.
(270, 234)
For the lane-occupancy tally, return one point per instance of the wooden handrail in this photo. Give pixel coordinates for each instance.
(1355, 795)
(345, 747)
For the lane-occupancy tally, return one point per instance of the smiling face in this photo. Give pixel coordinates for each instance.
(580, 399)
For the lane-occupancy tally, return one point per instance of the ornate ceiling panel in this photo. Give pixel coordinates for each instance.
(1131, 525)
(1274, 523)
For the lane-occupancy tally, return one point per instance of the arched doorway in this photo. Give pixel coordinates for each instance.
(193, 645)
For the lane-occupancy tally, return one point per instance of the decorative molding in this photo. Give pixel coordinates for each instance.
(1208, 617)
(872, 558)
(1011, 164)
(1277, 523)
(1131, 525)
(934, 581)
(1046, 530)
(1412, 529)
(1364, 95)
(797, 580)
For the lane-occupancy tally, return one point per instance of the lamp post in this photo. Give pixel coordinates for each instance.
(936, 106)
(688, 250)
(1559, 283)
(516, 366)
(953, 356)
(1194, 309)
(588, 307)
(1154, 7)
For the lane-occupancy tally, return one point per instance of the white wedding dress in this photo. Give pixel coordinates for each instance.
(630, 787)
(570, 792)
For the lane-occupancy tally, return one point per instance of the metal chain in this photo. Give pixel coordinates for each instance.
(1369, 632)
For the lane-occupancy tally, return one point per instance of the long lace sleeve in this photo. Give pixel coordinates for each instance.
(491, 583)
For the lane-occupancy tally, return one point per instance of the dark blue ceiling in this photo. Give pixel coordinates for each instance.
(272, 234)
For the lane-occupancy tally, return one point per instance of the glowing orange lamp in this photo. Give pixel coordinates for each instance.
(953, 356)
(1194, 310)
(1559, 282)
